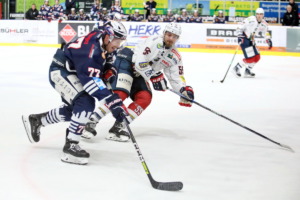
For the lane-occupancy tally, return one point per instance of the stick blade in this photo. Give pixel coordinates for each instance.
(287, 147)
(168, 186)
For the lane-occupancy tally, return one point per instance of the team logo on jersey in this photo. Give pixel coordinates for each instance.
(159, 45)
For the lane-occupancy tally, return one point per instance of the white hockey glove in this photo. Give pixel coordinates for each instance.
(189, 93)
(159, 82)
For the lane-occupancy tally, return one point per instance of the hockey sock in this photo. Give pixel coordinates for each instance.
(56, 115)
(141, 101)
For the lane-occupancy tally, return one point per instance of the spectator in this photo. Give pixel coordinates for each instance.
(116, 9)
(69, 5)
(82, 16)
(153, 17)
(73, 16)
(96, 10)
(149, 5)
(289, 18)
(32, 13)
(104, 16)
(46, 11)
(136, 17)
(57, 10)
(220, 19)
(195, 18)
(183, 17)
(169, 17)
(295, 10)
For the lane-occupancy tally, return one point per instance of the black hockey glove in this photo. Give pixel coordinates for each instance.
(269, 42)
(159, 82)
(115, 105)
(189, 93)
(241, 39)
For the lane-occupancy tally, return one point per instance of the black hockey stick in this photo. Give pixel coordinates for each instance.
(249, 129)
(236, 50)
(168, 186)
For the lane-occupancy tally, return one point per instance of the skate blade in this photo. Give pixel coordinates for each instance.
(74, 160)
(113, 137)
(27, 128)
(87, 135)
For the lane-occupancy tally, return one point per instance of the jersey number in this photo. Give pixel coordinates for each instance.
(94, 72)
(180, 70)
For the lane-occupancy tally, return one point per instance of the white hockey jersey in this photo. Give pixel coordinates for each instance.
(150, 56)
(251, 28)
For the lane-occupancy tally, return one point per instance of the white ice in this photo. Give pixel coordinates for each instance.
(214, 158)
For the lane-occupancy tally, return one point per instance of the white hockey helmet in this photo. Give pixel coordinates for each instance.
(137, 10)
(116, 30)
(260, 11)
(174, 28)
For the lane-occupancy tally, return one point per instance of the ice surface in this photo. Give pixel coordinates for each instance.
(215, 159)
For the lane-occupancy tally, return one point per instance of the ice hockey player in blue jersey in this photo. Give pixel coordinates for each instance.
(76, 73)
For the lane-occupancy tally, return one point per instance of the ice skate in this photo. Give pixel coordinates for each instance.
(89, 130)
(237, 70)
(33, 124)
(118, 133)
(249, 73)
(74, 154)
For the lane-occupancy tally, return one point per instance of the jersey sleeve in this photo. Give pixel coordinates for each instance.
(175, 73)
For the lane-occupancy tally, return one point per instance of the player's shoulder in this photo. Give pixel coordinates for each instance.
(264, 22)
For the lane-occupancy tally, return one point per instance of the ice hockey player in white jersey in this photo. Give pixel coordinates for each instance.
(135, 69)
(251, 27)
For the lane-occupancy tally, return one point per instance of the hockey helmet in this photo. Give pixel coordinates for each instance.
(173, 28)
(117, 17)
(260, 11)
(137, 10)
(116, 30)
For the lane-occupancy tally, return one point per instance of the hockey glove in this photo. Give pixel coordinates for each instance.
(269, 42)
(241, 39)
(109, 75)
(159, 82)
(189, 93)
(115, 105)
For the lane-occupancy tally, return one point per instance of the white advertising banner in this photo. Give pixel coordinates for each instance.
(207, 36)
(28, 31)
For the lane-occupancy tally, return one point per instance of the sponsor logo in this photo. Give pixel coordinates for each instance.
(143, 65)
(67, 33)
(14, 30)
(221, 32)
(58, 62)
(149, 73)
(165, 63)
(159, 45)
(176, 53)
(144, 30)
(125, 81)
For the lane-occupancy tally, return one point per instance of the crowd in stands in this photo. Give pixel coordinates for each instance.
(99, 13)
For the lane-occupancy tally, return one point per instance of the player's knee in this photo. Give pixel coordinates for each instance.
(143, 98)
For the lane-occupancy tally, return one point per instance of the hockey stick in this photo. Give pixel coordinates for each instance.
(261, 135)
(168, 186)
(236, 50)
